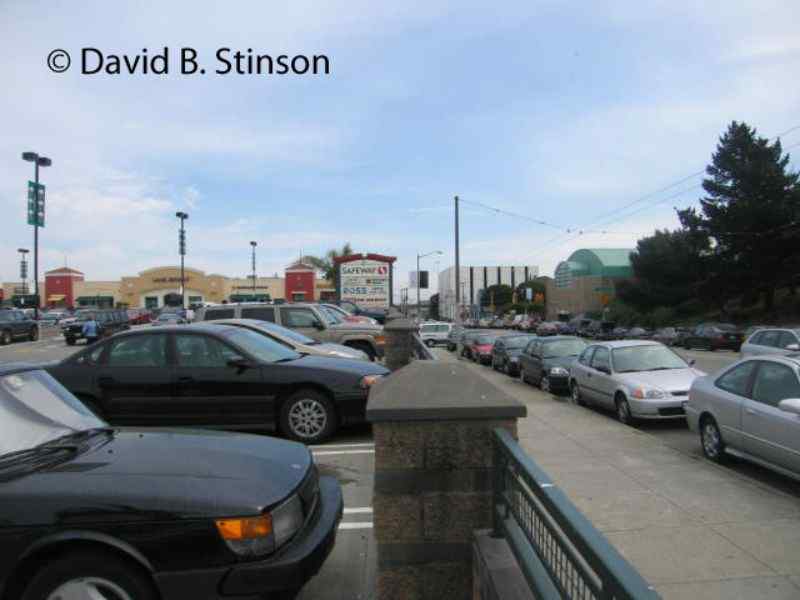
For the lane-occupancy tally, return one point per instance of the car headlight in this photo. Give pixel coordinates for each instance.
(287, 520)
(369, 380)
(514, 359)
(648, 393)
(257, 536)
(559, 372)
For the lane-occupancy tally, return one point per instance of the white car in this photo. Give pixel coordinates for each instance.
(773, 340)
(434, 333)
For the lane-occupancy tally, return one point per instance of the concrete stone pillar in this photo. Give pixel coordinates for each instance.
(433, 425)
(399, 345)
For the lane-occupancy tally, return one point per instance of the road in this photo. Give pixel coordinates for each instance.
(349, 573)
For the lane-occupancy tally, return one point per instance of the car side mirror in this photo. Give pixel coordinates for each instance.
(241, 364)
(793, 347)
(790, 405)
(692, 362)
(604, 369)
(319, 325)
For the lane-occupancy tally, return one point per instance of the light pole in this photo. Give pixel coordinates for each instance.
(254, 244)
(23, 269)
(182, 250)
(437, 252)
(38, 161)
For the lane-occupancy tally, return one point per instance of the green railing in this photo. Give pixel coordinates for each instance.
(559, 551)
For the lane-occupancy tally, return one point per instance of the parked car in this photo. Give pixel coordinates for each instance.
(434, 334)
(637, 379)
(753, 328)
(15, 325)
(311, 320)
(485, 322)
(242, 515)
(139, 316)
(378, 314)
(346, 316)
(110, 321)
(772, 341)
(218, 376)
(666, 335)
(506, 351)
(546, 362)
(169, 319)
(454, 337)
(715, 336)
(295, 340)
(546, 328)
(639, 333)
(481, 348)
(750, 410)
(465, 343)
(51, 318)
(618, 333)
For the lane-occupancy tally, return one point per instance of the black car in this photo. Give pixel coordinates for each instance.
(714, 336)
(546, 361)
(220, 376)
(354, 309)
(506, 351)
(15, 325)
(110, 321)
(90, 511)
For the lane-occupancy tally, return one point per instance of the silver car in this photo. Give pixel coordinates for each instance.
(296, 340)
(774, 340)
(750, 410)
(637, 379)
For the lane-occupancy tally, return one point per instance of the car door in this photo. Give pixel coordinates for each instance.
(732, 390)
(599, 383)
(211, 392)
(787, 343)
(525, 358)
(498, 355)
(537, 368)
(753, 345)
(304, 320)
(135, 380)
(579, 370)
(19, 324)
(768, 432)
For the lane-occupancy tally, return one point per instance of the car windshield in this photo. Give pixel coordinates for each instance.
(261, 347)
(280, 330)
(332, 316)
(36, 409)
(484, 339)
(517, 342)
(633, 359)
(561, 348)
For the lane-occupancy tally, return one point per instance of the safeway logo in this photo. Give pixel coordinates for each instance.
(383, 270)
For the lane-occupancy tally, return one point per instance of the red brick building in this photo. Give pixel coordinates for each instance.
(300, 282)
(59, 286)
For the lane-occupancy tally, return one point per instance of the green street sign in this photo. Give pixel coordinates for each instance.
(36, 193)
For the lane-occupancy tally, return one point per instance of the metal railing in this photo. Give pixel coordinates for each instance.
(559, 551)
(420, 351)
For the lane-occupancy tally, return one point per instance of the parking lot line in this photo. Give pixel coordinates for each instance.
(329, 446)
(358, 510)
(336, 452)
(365, 525)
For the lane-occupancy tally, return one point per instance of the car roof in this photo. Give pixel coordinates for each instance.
(555, 338)
(207, 326)
(627, 343)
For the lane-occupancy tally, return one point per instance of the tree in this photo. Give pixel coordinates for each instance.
(499, 295)
(538, 287)
(750, 213)
(433, 307)
(325, 264)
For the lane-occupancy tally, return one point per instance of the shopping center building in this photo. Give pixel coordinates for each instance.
(161, 286)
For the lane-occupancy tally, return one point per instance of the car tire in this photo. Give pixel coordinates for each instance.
(624, 411)
(70, 341)
(308, 416)
(711, 440)
(575, 393)
(34, 334)
(90, 574)
(544, 384)
(5, 338)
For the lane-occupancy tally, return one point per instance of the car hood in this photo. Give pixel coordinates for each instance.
(354, 367)
(330, 349)
(148, 474)
(562, 361)
(671, 380)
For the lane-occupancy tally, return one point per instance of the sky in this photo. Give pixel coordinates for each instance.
(558, 112)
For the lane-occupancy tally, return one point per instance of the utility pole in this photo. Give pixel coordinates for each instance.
(182, 250)
(254, 244)
(458, 271)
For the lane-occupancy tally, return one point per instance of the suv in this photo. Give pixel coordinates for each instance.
(110, 320)
(317, 322)
(15, 324)
(435, 333)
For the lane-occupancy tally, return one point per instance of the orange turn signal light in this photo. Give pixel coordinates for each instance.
(245, 528)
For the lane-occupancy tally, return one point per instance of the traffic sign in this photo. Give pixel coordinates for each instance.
(36, 195)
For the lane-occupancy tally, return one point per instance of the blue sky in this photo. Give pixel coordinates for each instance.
(561, 111)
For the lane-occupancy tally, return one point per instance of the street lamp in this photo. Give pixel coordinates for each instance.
(254, 244)
(419, 310)
(38, 161)
(23, 269)
(182, 250)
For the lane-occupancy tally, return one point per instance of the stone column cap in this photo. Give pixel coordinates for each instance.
(429, 390)
(400, 325)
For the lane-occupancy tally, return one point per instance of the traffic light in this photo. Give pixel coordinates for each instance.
(182, 242)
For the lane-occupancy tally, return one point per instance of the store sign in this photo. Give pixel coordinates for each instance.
(169, 279)
(365, 282)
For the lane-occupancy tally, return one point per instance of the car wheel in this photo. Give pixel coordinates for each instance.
(5, 338)
(308, 416)
(624, 412)
(544, 384)
(575, 393)
(89, 575)
(711, 440)
(34, 335)
(70, 341)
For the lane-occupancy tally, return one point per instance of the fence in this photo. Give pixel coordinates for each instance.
(559, 551)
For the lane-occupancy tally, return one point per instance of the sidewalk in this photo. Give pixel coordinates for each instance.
(692, 529)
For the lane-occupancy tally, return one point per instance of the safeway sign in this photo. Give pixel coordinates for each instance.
(365, 282)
